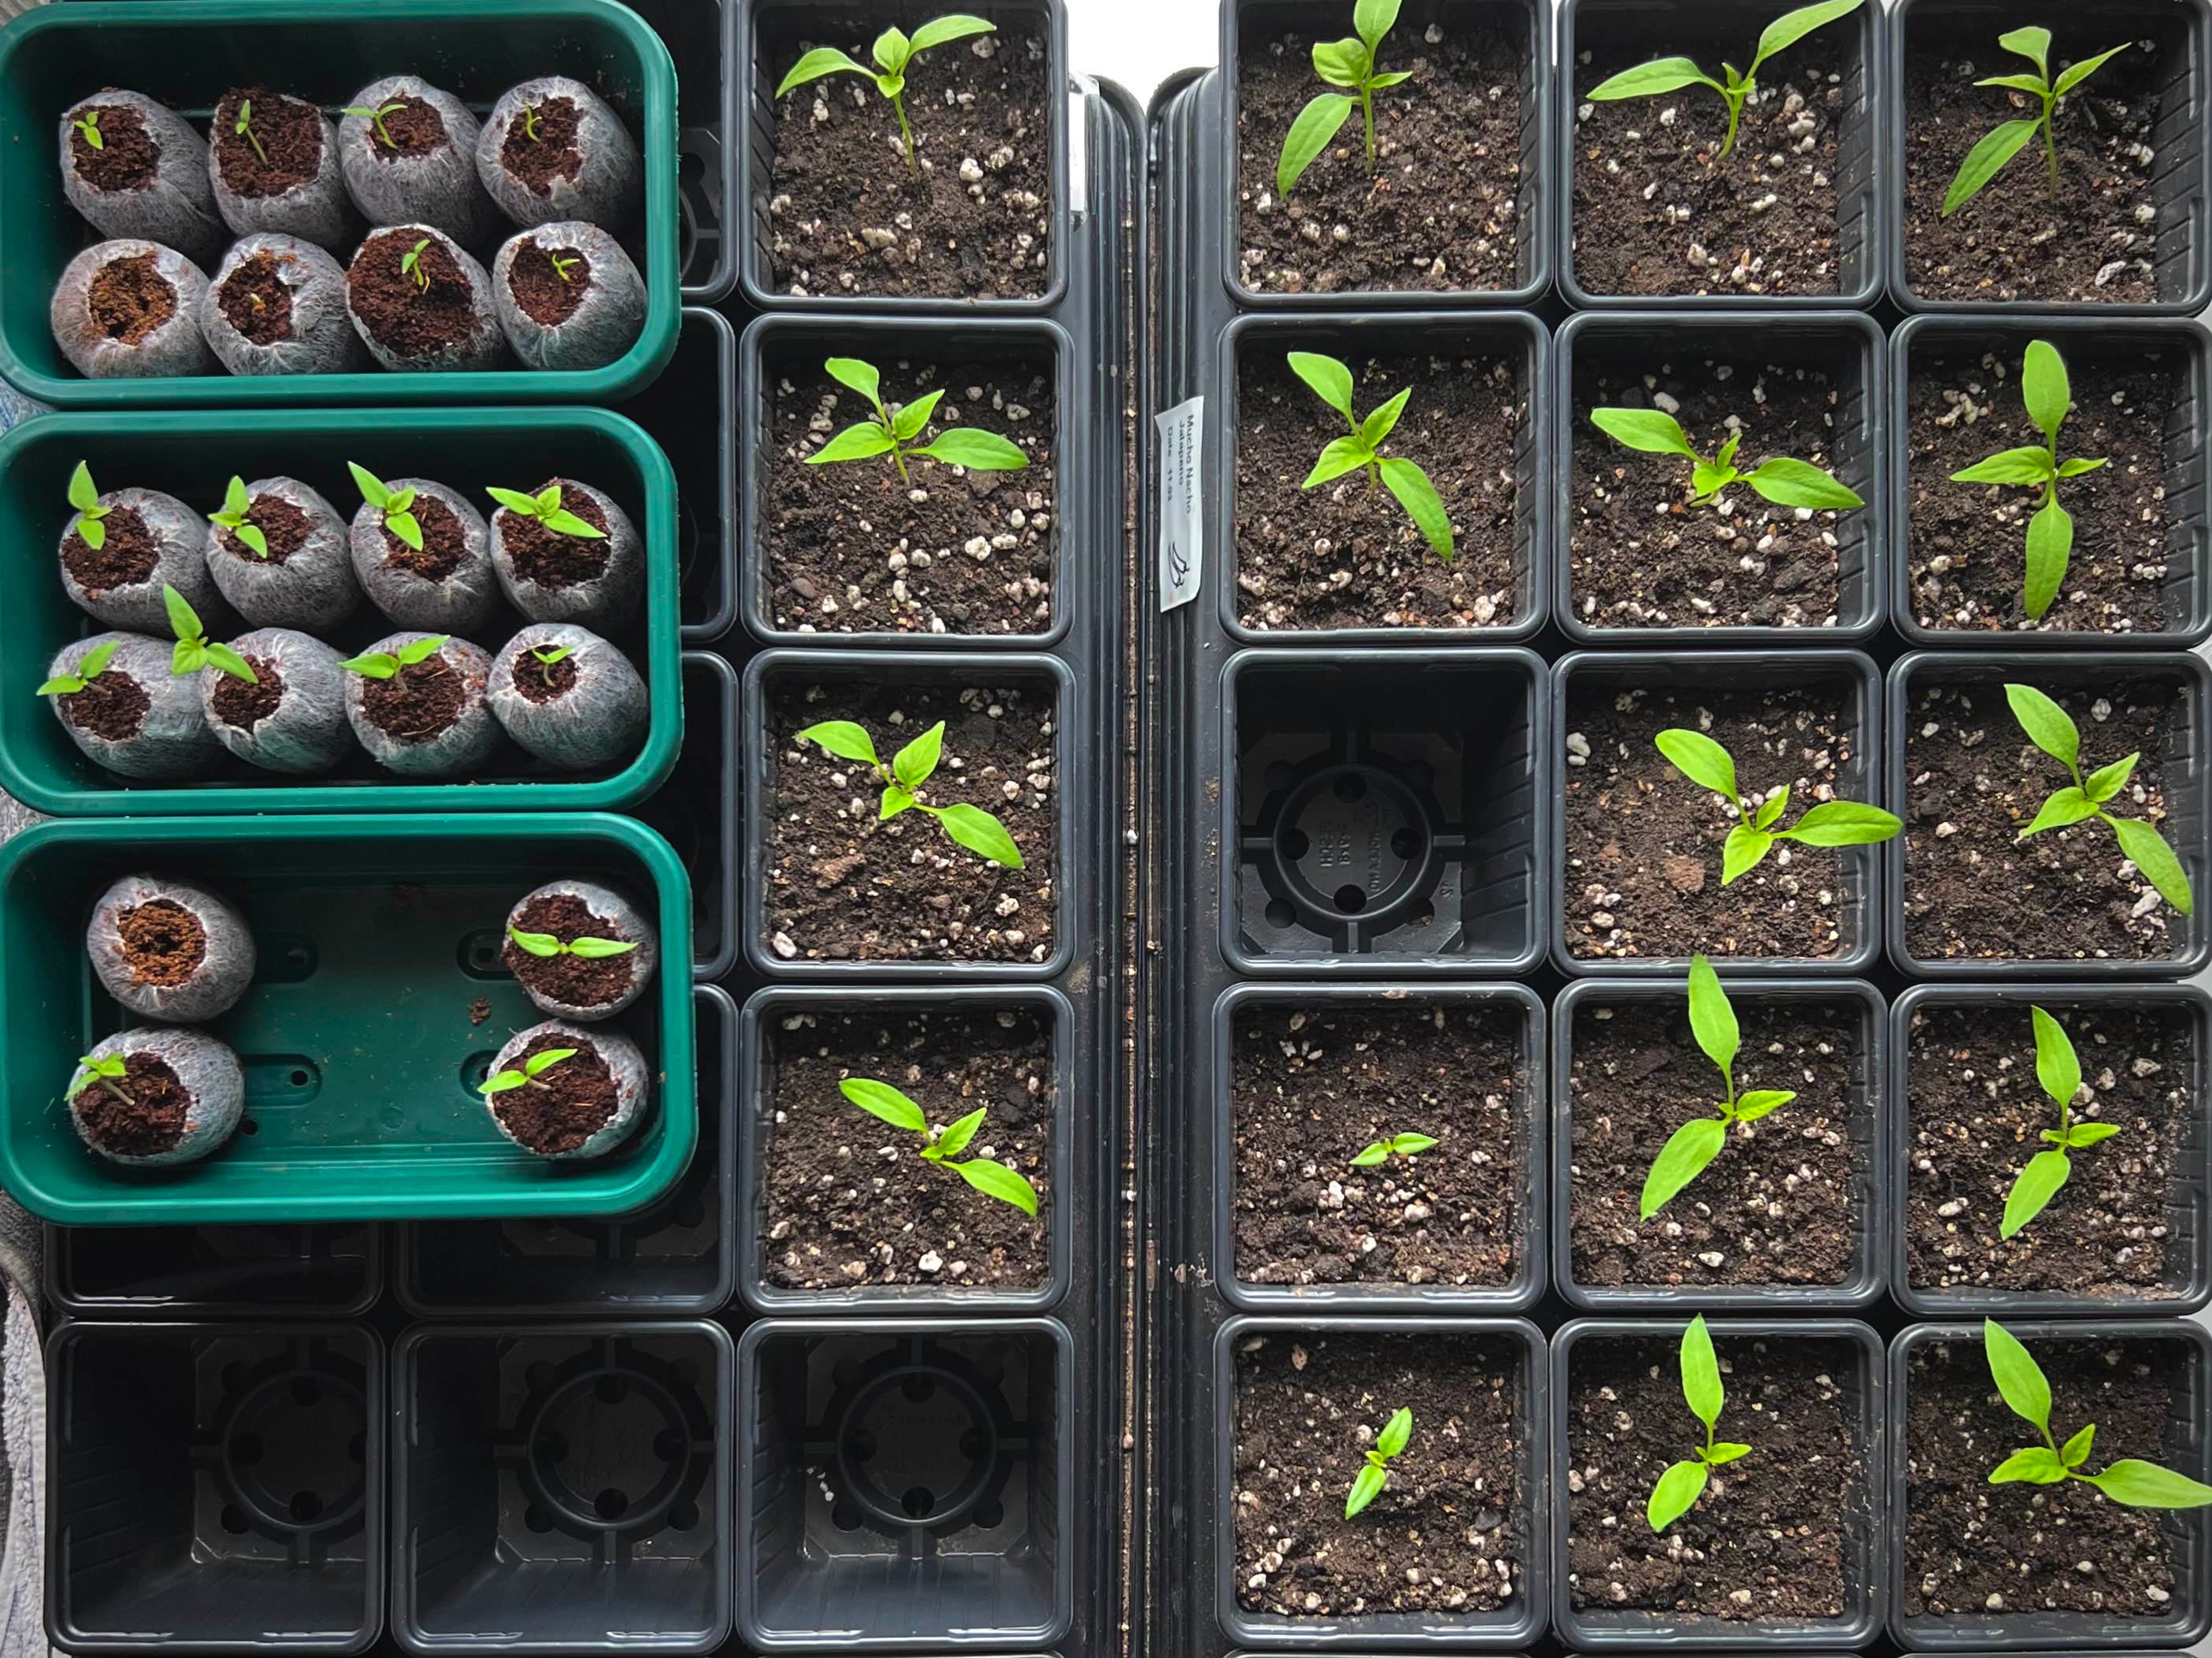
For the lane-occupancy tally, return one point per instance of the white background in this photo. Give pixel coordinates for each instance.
(1139, 43)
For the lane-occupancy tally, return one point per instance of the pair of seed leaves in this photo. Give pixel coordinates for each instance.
(1689, 1148)
(910, 767)
(590, 949)
(1375, 1473)
(1784, 482)
(1331, 381)
(986, 1174)
(2052, 729)
(2027, 1391)
(1828, 824)
(532, 1068)
(2047, 394)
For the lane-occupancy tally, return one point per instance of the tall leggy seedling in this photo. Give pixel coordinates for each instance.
(2052, 729)
(1683, 1482)
(1350, 64)
(2000, 144)
(895, 52)
(2027, 1391)
(1698, 1141)
(2048, 394)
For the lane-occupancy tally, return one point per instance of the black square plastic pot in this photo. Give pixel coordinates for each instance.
(1384, 810)
(674, 1258)
(214, 1487)
(770, 28)
(906, 1485)
(2188, 766)
(1524, 1621)
(1859, 779)
(752, 1117)
(1531, 1272)
(2186, 1285)
(707, 199)
(2188, 1450)
(2188, 583)
(698, 809)
(1513, 335)
(1847, 346)
(1863, 170)
(1597, 1631)
(1329, 20)
(932, 668)
(774, 346)
(703, 375)
(1872, 1195)
(562, 1487)
(2181, 143)
(215, 1273)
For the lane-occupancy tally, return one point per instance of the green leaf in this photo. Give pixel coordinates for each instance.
(2050, 544)
(2089, 1133)
(1310, 135)
(539, 1063)
(230, 662)
(823, 60)
(2032, 1188)
(1712, 1019)
(62, 685)
(891, 49)
(2033, 44)
(1372, 1156)
(1372, 19)
(236, 503)
(995, 1180)
(1651, 431)
(189, 657)
(1411, 485)
(595, 950)
(2031, 463)
(1792, 26)
(1688, 1149)
(2018, 1378)
(1365, 1489)
(1397, 1431)
(1985, 161)
(1660, 75)
(2141, 1485)
(1342, 62)
(1680, 1487)
(895, 800)
(1407, 1146)
(372, 489)
(882, 1100)
(954, 26)
(2079, 465)
(537, 944)
(372, 664)
(955, 1138)
(2076, 1451)
(1743, 851)
(2147, 850)
(1383, 421)
(2064, 806)
(913, 764)
(1722, 1452)
(89, 527)
(250, 535)
(842, 739)
(1760, 1102)
(1842, 824)
(2016, 82)
(913, 417)
(2038, 1465)
(563, 522)
(856, 375)
(1379, 82)
(1331, 380)
(976, 450)
(406, 526)
(501, 1081)
(1771, 810)
(1800, 483)
(81, 495)
(2082, 71)
(2048, 725)
(89, 668)
(184, 620)
(1707, 481)
(2056, 1066)
(1341, 456)
(981, 833)
(1698, 758)
(857, 442)
(2044, 387)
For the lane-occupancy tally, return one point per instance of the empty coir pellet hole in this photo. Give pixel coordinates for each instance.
(574, 980)
(137, 1114)
(1642, 556)
(1975, 1114)
(163, 942)
(127, 159)
(847, 1201)
(129, 297)
(1344, 554)
(1967, 556)
(1768, 1538)
(549, 293)
(1974, 889)
(1312, 1087)
(544, 682)
(1644, 842)
(2095, 238)
(112, 705)
(421, 700)
(1657, 208)
(854, 548)
(125, 557)
(1972, 1548)
(1778, 1205)
(846, 885)
(256, 300)
(1440, 209)
(290, 130)
(546, 557)
(406, 318)
(413, 129)
(445, 543)
(847, 214)
(1449, 1534)
(283, 526)
(536, 162)
(245, 704)
(566, 1103)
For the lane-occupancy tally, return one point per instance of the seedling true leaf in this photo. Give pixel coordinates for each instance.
(1362, 448)
(1350, 63)
(244, 127)
(89, 124)
(990, 1176)
(1698, 1141)
(235, 505)
(1684, 1483)
(387, 664)
(532, 1068)
(910, 767)
(194, 650)
(545, 507)
(1665, 74)
(2059, 1072)
(1397, 1433)
(894, 51)
(1830, 824)
(892, 431)
(2000, 144)
(1784, 482)
(2133, 1482)
(375, 118)
(2048, 393)
(89, 512)
(89, 666)
(2052, 729)
(395, 505)
(1381, 1151)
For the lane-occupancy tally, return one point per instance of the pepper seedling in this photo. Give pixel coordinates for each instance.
(892, 431)
(1829, 823)
(89, 124)
(1689, 1148)
(387, 664)
(235, 505)
(546, 656)
(2052, 729)
(411, 264)
(2058, 1069)
(1784, 482)
(102, 1070)
(2047, 394)
(396, 505)
(894, 51)
(532, 1068)
(2000, 144)
(986, 1174)
(1348, 62)
(1361, 449)
(1683, 1482)
(587, 948)
(194, 649)
(1665, 74)
(545, 507)
(244, 127)
(89, 667)
(562, 266)
(1402, 1145)
(910, 767)
(1396, 1434)
(375, 118)
(2129, 1481)
(89, 511)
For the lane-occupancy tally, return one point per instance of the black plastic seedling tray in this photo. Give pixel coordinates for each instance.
(701, 377)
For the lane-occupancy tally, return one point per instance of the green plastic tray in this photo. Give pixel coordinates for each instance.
(188, 52)
(375, 936)
(190, 456)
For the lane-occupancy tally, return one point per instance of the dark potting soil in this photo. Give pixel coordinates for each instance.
(2096, 240)
(1975, 1114)
(479, 1010)
(535, 163)
(125, 558)
(242, 705)
(1449, 1534)
(1776, 1207)
(127, 159)
(571, 1101)
(1312, 1087)
(407, 319)
(255, 299)
(163, 942)
(1644, 842)
(1440, 210)
(1972, 1548)
(146, 1116)
(283, 525)
(1344, 554)
(415, 127)
(548, 557)
(1974, 889)
(1968, 553)
(416, 704)
(848, 215)
(1657, 210)
(847, 1200)
(112, 705)
(550, 294)
(576, 981)
(291, 134)
(445, 543)
(1768, 1538)
(544, 682)
(129, 297)
(852, 549)
(1640, 556)
(845, 885)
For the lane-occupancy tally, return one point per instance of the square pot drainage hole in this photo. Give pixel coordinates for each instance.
(1383, 810)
